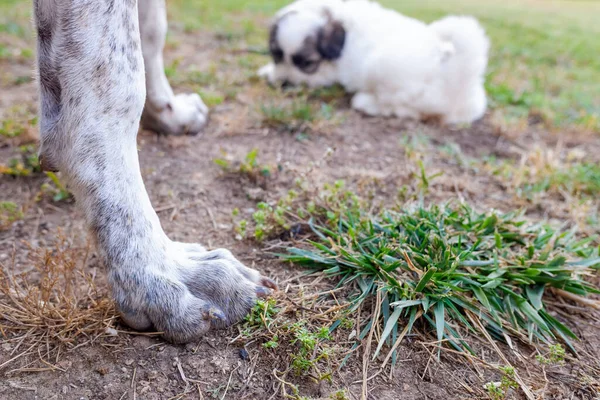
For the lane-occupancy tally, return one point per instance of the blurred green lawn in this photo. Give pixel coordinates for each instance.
(544, 60)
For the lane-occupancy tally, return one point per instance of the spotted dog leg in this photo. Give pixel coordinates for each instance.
(92, 87)
(165, 112)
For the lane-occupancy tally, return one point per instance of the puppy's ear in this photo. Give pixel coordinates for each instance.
(331, 40)
(274, 48)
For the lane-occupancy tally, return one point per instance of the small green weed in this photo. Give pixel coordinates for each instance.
(28, 164)
(211, 99)
(172, 69)
(499, 390)
(329, 94)
(556, 355)
(55, 189)
(339, 395)
(494, 391)
(9, 213)
(249, 167)
(266, 217)
(262, 314)
(425, 179)
(200, 78)
(13, 28)
(310, 344)
(25, 165)
(15, 53)
(241, 226)
(11, 128)
(297, 116)
(288, 214)
(288, 117)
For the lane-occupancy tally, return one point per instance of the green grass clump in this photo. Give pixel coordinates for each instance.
(454, 268)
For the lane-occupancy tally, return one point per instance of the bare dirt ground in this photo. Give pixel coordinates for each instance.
(195, 199)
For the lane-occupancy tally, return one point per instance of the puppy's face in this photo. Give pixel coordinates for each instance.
(306, 39)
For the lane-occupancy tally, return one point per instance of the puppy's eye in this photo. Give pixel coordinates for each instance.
(300, 61)
(305, 64)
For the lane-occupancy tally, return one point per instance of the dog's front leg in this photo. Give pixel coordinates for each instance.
(165, 112)
(91, 74)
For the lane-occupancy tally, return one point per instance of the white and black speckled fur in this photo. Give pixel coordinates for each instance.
(394, 64)
(94, 74)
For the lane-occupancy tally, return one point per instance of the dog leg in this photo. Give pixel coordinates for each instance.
(164, 112)
(91, 74)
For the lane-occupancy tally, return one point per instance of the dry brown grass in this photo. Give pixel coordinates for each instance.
(57, 306)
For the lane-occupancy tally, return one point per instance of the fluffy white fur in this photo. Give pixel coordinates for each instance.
(395, 65)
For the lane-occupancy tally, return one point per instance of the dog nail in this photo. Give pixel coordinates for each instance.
(262, 292)
(266, 282)
(214, 314)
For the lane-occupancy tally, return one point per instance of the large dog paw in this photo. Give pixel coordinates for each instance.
(185, 114)
(190, 291)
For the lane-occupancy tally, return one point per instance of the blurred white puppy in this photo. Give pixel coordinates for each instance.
(395, 65)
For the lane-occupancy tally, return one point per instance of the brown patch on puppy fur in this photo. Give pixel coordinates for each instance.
(274, 48)
(331, 40)
(327, 44)
(308, 58)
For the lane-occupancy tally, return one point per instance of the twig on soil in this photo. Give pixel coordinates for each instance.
(595, 304)
(165, 208)
(133, 377)
(283, 383)
(431, 356)
(484, 332)
(211, 216)
(18, 356)
(229, 382)
(181, 373)
(367, 351)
